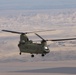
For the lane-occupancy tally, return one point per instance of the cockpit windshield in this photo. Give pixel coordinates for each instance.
(46, 47)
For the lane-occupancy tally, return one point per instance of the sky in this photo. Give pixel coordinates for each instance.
(36, 4)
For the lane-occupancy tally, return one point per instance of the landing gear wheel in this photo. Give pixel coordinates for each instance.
(32, 56)
(42, 55)
(20, 53)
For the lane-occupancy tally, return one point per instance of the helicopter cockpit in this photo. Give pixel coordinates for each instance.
(46, 49)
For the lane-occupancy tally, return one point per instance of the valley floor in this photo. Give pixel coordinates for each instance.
(39, 68)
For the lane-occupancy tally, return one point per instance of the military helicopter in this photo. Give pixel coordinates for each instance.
(28, 46)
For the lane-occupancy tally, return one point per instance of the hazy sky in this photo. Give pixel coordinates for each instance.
(36, 4)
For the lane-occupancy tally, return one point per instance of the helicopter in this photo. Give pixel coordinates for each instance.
(28, 46)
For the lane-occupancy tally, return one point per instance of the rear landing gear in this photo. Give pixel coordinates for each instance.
(32, 55)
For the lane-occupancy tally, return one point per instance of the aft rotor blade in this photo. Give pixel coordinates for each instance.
(39, 36)
(12, 31)
(62, 39)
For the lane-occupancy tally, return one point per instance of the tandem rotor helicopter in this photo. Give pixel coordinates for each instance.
(28, 46)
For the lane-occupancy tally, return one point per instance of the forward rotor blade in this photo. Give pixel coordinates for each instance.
(62, 39)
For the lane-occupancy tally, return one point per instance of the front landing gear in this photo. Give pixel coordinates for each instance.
(20, 53)
(43, 55)
(32, 55)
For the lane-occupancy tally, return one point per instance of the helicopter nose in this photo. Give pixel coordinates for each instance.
(47, 50)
